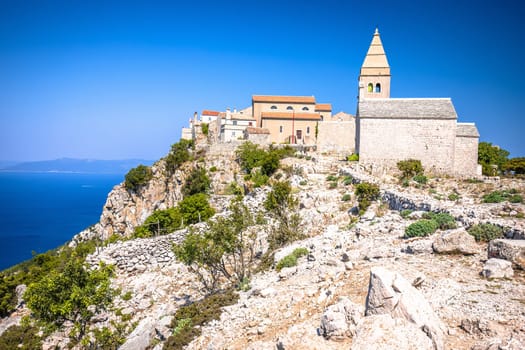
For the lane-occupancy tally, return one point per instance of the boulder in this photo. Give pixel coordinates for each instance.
(340, 320)
(512, 250)
(382, 332)
(418, 246)
(390, 293)
(497, 268)
(457, 241)
(141, 336)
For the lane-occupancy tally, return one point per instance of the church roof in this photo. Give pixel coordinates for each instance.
(283, 99)
(375, 62)
(288, 115)
(323, 107)
(407, 108)
(467, 130)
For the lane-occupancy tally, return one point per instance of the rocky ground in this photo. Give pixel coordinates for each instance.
(442, 301)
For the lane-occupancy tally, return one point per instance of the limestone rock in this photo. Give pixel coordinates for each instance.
(390, 293)
(340, 320)
(477, 326)
(382, 332)
(497, 268)
(512, 250)
(457, 241)
(419, 246)
(140, 338)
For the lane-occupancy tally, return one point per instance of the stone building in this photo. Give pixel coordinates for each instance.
(292, 119)
(392, 129)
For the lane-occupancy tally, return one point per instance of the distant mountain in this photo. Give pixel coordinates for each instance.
(70, 165)
(7, 163)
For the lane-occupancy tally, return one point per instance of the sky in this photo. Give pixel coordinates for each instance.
(119, 79)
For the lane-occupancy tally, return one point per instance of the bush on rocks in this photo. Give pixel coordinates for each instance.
(486, 232)
(138, 177)
(421, 228)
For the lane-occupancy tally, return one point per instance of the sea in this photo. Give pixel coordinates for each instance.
(41, 211)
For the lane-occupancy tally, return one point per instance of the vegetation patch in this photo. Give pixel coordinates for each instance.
(189, 319)
(179, 153)
(486, 232)
(500, 196)
(196, 182)
(410, 168)
(366, 193)
(24, 337)
(444, 221)
(291, 259)
(137, 177)
(421, 228)
(346, 197)
(353, 157)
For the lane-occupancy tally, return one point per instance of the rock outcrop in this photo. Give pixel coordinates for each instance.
(512, 250)
(390, 293)
(340, 320)
(497, 268)
(457, 241)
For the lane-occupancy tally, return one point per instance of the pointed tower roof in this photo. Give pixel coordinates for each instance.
(375, 62)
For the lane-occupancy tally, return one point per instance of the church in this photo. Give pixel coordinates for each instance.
(392, 129)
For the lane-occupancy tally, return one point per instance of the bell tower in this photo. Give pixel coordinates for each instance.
(374, 78)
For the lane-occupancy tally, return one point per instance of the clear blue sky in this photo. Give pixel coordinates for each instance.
(111, 79)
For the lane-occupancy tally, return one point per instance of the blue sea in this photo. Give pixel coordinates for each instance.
(41, 211)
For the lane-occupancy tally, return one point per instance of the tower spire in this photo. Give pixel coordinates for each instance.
(374, 78)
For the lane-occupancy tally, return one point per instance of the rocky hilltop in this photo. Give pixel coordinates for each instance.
(362, 283)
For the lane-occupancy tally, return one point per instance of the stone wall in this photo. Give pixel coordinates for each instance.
(336, 137)
(386, 141)
(466, 156)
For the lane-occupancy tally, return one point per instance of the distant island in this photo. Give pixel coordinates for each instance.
(71, 165)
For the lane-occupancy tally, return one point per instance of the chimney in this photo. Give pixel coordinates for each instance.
(228, 113)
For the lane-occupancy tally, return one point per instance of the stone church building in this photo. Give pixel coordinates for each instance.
(392, 129)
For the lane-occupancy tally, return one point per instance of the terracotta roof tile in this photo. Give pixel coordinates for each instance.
(323, 107)
(208, 112)
(287, 115)
(283, 99)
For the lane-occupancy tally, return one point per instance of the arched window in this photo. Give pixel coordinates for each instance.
(281, 129)
(273, 107)
(378, 87)
(289, 108)
(308, 130)
(370, 87)
(305, 108)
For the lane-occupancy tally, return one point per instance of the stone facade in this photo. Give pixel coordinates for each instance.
(392, 129)
(333, 137)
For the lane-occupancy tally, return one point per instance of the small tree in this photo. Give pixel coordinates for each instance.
(517, 165)
(410, 168)
(196, 182)
(74, 295)
(179, 153)
(205, 128)
(137, 177)
(366, 193)
(489, 155)
(226, 249)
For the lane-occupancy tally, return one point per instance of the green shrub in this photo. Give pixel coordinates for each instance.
(303, 183)
(486, 232)
(453, 197)
(331, 178)
(410, 168)
(213, 169)
(516, 165)
(332, 185)
(346, 197)
(188, 320)
(353, 157)
(205, 128)
(291, 259)
(24, 337)
(127, 296)
(366, 193)
(489, 155)
(196, 182)
(138, 177)
(195, 208)
(421, 228)
(420, 179)
(444, 221)
(501, 196)
(179, 153)
(279, 197)
(348, 180)
(405, 213)
(259, 179)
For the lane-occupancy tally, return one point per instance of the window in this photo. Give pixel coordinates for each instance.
(289, 108)
(378, 87)
(234, 122)
(305, 108)
(233, 133)
(370, 87)
(250, 124)
(307, 130)
(281, 129)
(299, 134)
(273, 107)
(322, 118)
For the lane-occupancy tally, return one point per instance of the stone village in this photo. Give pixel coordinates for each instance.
(384, 130)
